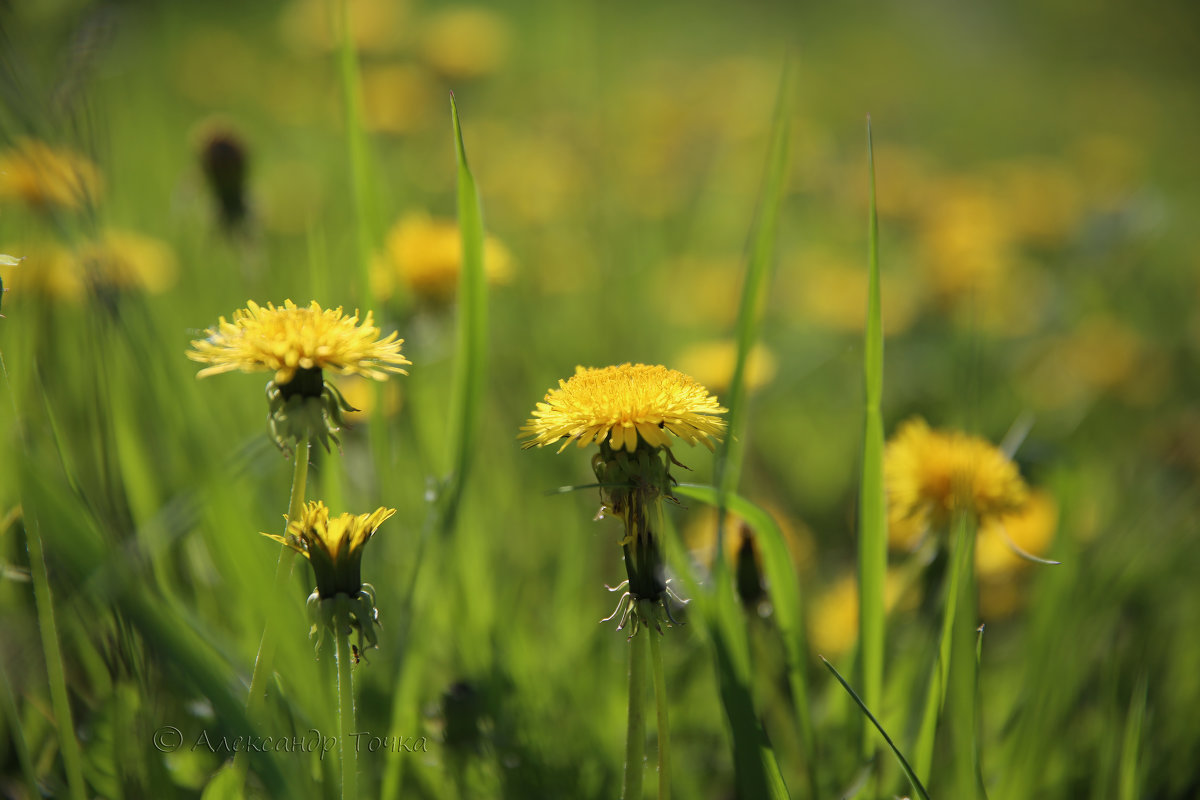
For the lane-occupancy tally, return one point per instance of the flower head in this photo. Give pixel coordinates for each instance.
(45, 177)
(289, 338)
(931, 475)
(334, 547)
(426, 255)
(624, 404)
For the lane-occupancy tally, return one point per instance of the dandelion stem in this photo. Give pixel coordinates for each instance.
(964, 726)
(635, 734)
(664, 728)
(283, 569)
(345, 687)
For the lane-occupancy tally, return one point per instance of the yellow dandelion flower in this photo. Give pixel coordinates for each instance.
(1030, 528)
(334, 546)
(289, 338)
(624, 404)
(426, 255)
(466, 42)
(833, 618)
(45, 177)
(122, 259)
(935, 474)
(712, 363)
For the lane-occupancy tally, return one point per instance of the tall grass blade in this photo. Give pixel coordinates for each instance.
(1127, 777)
(754, 290)
(356, 141)
(961, 678)
(467, 397)
(872, 514)
(756, 770)
(788, 608)
(917, 786)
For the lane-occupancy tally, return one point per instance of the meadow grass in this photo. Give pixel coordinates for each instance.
(1022, 261)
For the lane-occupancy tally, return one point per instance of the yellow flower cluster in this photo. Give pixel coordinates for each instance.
(426, 255)
(930, 475)
(625, 403)
(290, 338)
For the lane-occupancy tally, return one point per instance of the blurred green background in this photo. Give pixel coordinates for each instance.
(1036, 182)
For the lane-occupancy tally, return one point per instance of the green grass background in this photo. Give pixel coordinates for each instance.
(620, 152)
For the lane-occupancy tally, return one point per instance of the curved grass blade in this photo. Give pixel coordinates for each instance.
(788, 607)
(754, 290)
(917, 786)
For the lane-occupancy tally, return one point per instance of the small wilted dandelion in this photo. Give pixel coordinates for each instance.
(334, 547)
(298, 345)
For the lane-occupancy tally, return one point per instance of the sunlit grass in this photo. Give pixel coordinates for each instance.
(1024, 259)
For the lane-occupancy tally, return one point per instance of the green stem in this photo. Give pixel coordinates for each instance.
(964, 669)
(345, 687)
(54, 666)
(48, 628)
(664, 728)
(635, 733)
(283, 569)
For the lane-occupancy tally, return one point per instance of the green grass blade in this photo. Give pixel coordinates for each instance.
(356, 140)
(962, 676)
(872, 515)
(1127, 777)
(917, 786)
(756, 769)
(788, 608)
(754, 289)
(467, 396)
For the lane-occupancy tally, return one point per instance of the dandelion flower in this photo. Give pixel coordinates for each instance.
(288, 339)
(45, 177)
(713, 363)
(426, 255)
(624, 404)
(334, 547)
(932, 475)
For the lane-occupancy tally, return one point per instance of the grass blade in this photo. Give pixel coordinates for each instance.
(872, 516)
(754, 290)
(467, 396)
(788, 608)
(917, 786)
(356, 140)
(1127, 777)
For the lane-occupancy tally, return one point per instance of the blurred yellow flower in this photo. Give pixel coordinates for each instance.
(288, 339)
(931, 475)
(123, 259)
(966, 238)
(1031, 528)
(397, 98)
(832, 293)
(334, 547)
(1101, 354)
(46, 177)
(833, 615)
(625, 403)
(426, 254)
(465, 42)
(712, 363)
(360, 394)
(49, 269)
(116, 260)
(376, 26)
